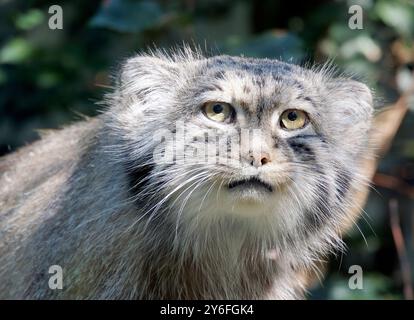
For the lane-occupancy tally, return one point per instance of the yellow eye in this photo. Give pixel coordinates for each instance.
(219, 111)
(293, 119)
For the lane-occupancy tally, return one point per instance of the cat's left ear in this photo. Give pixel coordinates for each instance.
(354, 96)
(351, 103)
(350, 107)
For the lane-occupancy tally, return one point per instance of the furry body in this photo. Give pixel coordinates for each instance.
(91, 199)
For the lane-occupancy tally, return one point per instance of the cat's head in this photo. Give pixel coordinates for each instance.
(253, 139)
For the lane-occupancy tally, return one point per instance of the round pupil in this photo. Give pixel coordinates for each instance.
(218, 108)
(292, 116)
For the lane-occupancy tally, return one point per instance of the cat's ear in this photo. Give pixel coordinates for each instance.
(144, 75)
(355, 98)
(350, 108)
(351, 102)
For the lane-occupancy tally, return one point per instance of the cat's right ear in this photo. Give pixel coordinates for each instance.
(145, 75)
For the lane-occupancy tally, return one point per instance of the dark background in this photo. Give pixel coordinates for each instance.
(50, 77)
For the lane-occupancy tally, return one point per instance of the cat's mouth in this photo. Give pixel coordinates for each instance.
(253, 182)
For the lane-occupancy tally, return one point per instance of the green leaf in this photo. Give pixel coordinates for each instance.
(15, 51)
(128, 15)
(47, 79)
(397, 15)
(30, 19)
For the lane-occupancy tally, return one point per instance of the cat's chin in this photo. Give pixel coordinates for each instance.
(249, 207)
(250, 201)
(251, 196)
(251, 191)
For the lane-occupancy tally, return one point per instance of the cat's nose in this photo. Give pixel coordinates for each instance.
(259, 159)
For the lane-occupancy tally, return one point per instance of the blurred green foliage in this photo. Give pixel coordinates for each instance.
(49, 77)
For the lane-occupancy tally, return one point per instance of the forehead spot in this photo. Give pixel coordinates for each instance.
(239, 73)
(246, 89)
(306, 98)
(259, 81)
(298, 85)
(219, 74)
(243, 104)
(245, 66)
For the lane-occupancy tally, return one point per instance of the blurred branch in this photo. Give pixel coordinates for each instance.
(386, 125)
(401, 250)
(393, 183)
(389, 121)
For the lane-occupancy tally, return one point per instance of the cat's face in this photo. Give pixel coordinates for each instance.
(246, 137)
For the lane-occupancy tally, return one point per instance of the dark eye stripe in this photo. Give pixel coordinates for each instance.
(307, 136)
(302, 150)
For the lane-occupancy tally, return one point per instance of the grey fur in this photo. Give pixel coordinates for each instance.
(91, 199)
